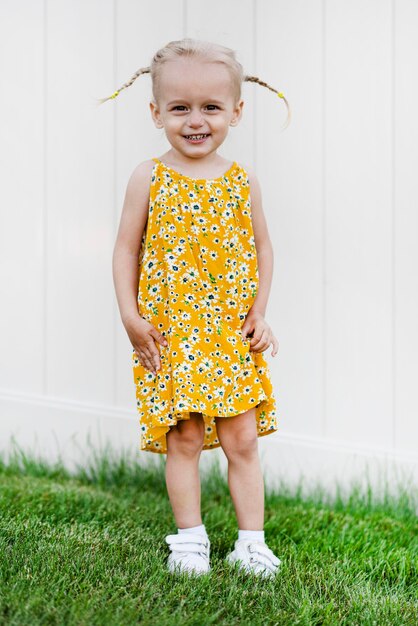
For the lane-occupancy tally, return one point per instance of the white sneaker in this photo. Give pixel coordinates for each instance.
(189, 553)
(254, 556)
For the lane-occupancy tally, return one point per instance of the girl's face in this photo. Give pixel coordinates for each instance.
(196, 98)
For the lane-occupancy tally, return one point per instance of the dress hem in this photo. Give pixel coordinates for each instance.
(266, 400)
(213, 446)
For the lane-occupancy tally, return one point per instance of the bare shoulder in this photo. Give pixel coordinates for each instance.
(135, 208)
(142, 172)
(137, 193)
(138, 187)
(248, 169)
(252, 178)
(261, 235)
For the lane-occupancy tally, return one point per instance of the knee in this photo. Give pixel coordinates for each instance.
(243, 445)
(186, 437)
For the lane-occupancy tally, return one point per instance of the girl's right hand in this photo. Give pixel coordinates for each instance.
(143, 336)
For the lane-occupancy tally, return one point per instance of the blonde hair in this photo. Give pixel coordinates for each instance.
(201, 50)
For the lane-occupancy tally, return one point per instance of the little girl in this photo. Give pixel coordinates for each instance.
(192, 268)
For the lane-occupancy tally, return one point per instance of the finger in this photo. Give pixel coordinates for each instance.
(148, 363)
(259, 341)
(152, 343)
(144, 359)
(162, 340)
(262, 348)
(137, 350)
(158, 337)
(263, 343)
(275, 346)
(152, 353)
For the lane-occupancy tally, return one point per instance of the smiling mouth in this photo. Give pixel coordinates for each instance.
(196, 137)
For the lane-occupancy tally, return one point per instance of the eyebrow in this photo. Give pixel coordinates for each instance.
(214, 101)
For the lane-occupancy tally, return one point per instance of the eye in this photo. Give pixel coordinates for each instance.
(181, 106)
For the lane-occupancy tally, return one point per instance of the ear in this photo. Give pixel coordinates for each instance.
(155, 114)
(237, 113)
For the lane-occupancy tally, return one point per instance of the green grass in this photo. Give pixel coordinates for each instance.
(88, 548)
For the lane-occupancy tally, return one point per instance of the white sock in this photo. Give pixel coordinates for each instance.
(199, 530)
(254, 535)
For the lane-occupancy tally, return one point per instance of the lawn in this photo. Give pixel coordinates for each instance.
(87, 548)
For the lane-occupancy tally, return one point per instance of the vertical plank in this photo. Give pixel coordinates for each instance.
(289, 166)
(79, 201)
(358, 236)
(406, 225)
(22, 207)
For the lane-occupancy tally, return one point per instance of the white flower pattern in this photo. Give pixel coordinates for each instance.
(198, 278)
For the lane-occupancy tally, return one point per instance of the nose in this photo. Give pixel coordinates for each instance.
(195, 119)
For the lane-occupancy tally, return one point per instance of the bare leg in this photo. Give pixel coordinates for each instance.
(238, 437)
(184, 446)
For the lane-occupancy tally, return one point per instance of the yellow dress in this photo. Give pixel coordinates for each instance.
(198, 278)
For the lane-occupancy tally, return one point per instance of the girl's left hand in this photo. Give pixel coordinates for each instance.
(262, 335)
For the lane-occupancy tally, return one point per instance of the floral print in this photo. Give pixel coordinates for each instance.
(198, 278)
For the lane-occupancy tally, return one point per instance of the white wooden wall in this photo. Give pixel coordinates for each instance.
(339, 192)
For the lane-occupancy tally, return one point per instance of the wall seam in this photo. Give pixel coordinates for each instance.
(254, 91)
(393, 167)
(45, 204)
(114, 174)
(324, 223)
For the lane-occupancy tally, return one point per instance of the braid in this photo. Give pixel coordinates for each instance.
(255, 79)
(142, 70)
(252, 79)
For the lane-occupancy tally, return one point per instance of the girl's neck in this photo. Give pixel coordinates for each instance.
(195, 167)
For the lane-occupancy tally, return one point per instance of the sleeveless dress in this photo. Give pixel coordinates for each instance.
(198, 278)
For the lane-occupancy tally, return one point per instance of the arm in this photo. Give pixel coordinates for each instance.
(254, 322)
(142, 333)
(263, 246)
(126, 251)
